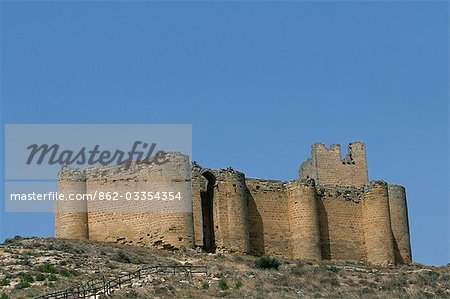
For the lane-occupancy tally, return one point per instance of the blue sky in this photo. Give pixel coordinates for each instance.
(259, 82)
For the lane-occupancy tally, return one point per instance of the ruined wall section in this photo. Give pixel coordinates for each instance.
(327, 166)
(71, 220)
(399, 223)
(308, 170)
(377, 224)
(341, 230)
(303, 221)
(268, 211)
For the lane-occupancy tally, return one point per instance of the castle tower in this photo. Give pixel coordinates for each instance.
(399, 223)
(304, 221)
(231, 206)
(175, 175)
(71, 220)
(327, 166)
(377, 224)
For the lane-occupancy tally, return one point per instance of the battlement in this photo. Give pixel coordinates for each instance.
(71, 174)
(326, 166)
(169, 165)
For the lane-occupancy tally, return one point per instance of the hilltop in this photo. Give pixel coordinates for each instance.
(30, 267)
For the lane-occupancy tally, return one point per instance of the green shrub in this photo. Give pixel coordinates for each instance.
(164, 291)
(51, 285)
(205, 285)
(121, 257)
(223, 285)
(47, 268)
(28, 277)
(13, 241)
(132, 294)
(219, 256)
(23, 284)
(238, 284)
(433, 275)
(62, 263)
(41, 277)
(266, 262)
(52, 277)
(4, 282)
(25, 261)
(67, 272)
(333, 268)
(4, 296)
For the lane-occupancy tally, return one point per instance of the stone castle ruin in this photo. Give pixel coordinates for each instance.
(330, 211)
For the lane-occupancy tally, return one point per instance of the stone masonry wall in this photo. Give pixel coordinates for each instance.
(341, 231)
(268, 214)
(330, 212)
(327, 166)
(136, 221)
(231, 194)
(71, 220)
(376, 223)
(399, 222)
(304, 221)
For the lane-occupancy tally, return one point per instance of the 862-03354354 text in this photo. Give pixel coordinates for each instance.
(100, 195)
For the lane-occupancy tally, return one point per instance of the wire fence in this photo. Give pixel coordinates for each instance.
(94, 288)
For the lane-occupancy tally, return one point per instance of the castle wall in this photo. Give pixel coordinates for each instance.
(377, 224)
(341, 231)
(139, 221)
(268, 218)
(327, 167)
(123, 223)
(70, 216)
(399, 223)
(304, 221)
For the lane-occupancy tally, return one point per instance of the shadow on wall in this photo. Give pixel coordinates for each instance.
(207, 206)
(324, 231)
(256, 228)
(398, 258)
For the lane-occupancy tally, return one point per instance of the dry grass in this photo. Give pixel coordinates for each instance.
(31, 267)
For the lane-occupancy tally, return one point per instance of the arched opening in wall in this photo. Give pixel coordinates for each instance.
(207, 199)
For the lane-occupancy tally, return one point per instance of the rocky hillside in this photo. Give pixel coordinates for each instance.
(36, 266)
